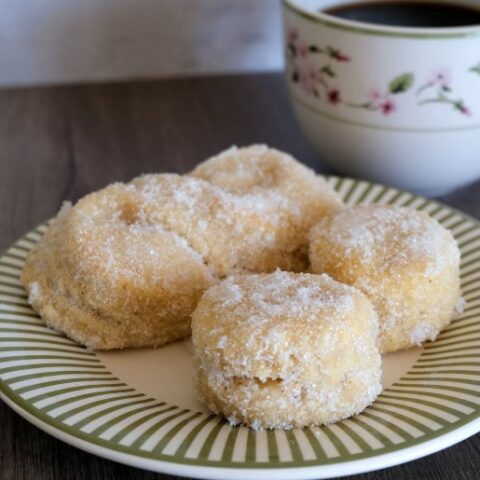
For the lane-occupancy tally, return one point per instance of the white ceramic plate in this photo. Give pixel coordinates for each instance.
(137, 406)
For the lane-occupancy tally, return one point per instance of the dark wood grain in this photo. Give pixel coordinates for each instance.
(35, 159)
(60, 143)
(122, 130)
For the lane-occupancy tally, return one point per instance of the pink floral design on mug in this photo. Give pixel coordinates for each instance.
(438, 89)
(314, 79)
(383, 101)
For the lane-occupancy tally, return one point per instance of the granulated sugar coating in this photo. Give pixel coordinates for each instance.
(402, 259)
(261, 174)
(285, 350)
(110, 280)
(126, 265)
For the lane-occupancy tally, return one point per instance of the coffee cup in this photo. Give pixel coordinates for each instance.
(395, 104)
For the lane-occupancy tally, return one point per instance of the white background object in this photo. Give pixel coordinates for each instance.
(61, 41)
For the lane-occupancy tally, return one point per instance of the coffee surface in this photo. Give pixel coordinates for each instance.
(408, 13)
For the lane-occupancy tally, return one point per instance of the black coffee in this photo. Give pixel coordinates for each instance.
(409, 13)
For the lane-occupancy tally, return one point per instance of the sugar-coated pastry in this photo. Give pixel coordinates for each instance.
(259, 174)
(109, 276)
(285, 350)
(402, 259)
(126, 266)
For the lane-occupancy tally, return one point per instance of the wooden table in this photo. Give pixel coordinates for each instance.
(60, 143)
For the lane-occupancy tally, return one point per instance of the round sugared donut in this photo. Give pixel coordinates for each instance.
(109, 276)
(261, 175)
(285, 350)
(402, 259)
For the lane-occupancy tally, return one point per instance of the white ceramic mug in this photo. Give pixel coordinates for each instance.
(396, 105)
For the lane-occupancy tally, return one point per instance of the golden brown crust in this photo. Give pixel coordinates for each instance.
(258, 173)
(285, 349)
(403, 260)
(94, 284)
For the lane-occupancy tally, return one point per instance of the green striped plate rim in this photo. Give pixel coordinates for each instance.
(66, 390)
